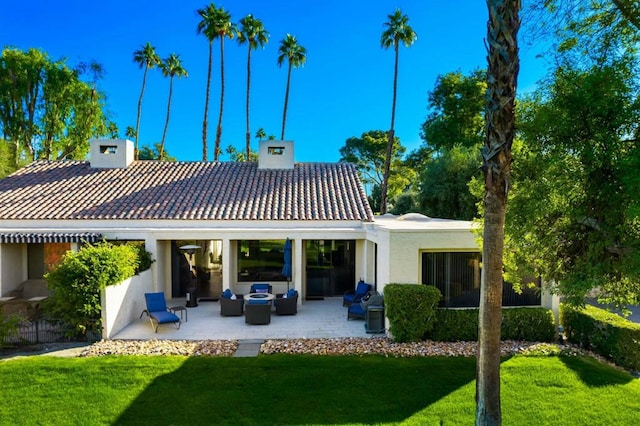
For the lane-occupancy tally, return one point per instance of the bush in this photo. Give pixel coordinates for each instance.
(529, 324)
(410, 309)
(604, 332)
(8, 326)
(77, 280)
(144, 257)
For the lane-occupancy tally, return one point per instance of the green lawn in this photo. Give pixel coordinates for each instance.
(287, 389)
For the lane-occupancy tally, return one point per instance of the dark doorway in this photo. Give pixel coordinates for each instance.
(330, 267)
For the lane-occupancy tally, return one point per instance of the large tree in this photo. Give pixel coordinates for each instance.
(146, 58)
(49, 110)
(502, 75)
(253, 33)
(456, 111)
(368, 153)
(574, 216)
(296, 56)
(397, 31)
(171, 67)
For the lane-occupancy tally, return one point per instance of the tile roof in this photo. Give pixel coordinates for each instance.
(65, 190)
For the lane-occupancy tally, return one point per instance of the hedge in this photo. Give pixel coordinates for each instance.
(410, 310)
(532, 324)
(604, 332)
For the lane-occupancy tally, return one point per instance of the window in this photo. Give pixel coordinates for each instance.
(108, 149)
(457, 276)
(276, 150)
(260, 260)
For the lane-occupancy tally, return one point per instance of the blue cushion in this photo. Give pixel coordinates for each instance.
(356, 309)
(257, 302)
(292, 293)
(362, 287)
(226, 294)
(164, 317)
(260, 288)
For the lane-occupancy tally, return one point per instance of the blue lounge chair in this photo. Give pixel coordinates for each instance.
(350, 296)
(158, 311)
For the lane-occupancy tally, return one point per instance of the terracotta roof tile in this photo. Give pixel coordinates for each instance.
(184, 190)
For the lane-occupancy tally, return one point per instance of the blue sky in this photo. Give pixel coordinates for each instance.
(344, 89)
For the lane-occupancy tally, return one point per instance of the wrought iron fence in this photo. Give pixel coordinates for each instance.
(36, 331)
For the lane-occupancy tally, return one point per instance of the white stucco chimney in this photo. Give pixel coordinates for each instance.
(110, 153)
(275, 154)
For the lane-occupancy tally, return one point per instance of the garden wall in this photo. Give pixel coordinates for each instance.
(122, 303)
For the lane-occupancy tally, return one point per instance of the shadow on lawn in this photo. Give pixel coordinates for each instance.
(593, 373)
(281, 389)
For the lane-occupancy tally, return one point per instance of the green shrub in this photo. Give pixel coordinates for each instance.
(144, 257)
(8, 326)
(77, 280)
(529, 324)
(604, 332)
(410, 309)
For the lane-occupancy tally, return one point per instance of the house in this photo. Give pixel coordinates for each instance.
(237, 215)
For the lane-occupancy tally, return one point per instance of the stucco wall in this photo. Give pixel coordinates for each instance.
(122, 303)
(13, 268)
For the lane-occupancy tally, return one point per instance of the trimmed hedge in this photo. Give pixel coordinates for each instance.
(76, 282)
(410, 309)
(532, 324)
(604, 332)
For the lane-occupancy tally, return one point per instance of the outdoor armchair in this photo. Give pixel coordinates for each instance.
(257, 312)
(261, 288)
(359, 310)
(353, 296)
(158, 311)
(286, 303)
(231, 307)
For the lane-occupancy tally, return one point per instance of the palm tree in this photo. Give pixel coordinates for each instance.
(261, 134)
(171, 67)
(253, 33)
(502, 73)
(146, 58)
(215, 23)
(397, 31)
(206, 26)
(296, 56)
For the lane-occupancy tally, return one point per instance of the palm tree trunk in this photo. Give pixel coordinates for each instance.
(286, 102)
(248, 134)
(166, 123)
(384, 188)
(502, 70)
(205, 121)
(144, 83)
(216, 154)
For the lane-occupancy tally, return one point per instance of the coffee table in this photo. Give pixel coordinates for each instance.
(259, 296)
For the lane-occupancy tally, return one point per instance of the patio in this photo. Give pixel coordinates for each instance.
(315, 319)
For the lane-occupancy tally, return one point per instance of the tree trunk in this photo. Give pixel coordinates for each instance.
(502, 73)
(216, 154)
(286, 102)
(384, 188)
(166, 123)
(144, 83)
(248, 135)
(205, 121)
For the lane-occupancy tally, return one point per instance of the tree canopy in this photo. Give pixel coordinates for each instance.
(49, 110)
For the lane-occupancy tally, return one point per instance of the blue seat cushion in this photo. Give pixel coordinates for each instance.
(164, 317)
(257, 302)
(227, 294)
(356, 309)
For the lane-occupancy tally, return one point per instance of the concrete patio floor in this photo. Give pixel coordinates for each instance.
(315, 319)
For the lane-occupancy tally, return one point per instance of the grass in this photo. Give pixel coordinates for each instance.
(285, 389)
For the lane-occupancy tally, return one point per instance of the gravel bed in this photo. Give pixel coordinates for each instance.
(162, 347)
(343, 346)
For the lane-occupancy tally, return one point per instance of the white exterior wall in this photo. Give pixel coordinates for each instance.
(122, 303)
(13, 266)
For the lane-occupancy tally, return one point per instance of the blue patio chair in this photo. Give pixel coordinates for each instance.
(353, 296)
(261, 288)
(158, 311)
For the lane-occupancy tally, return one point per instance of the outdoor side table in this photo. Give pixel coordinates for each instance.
(182, 309)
